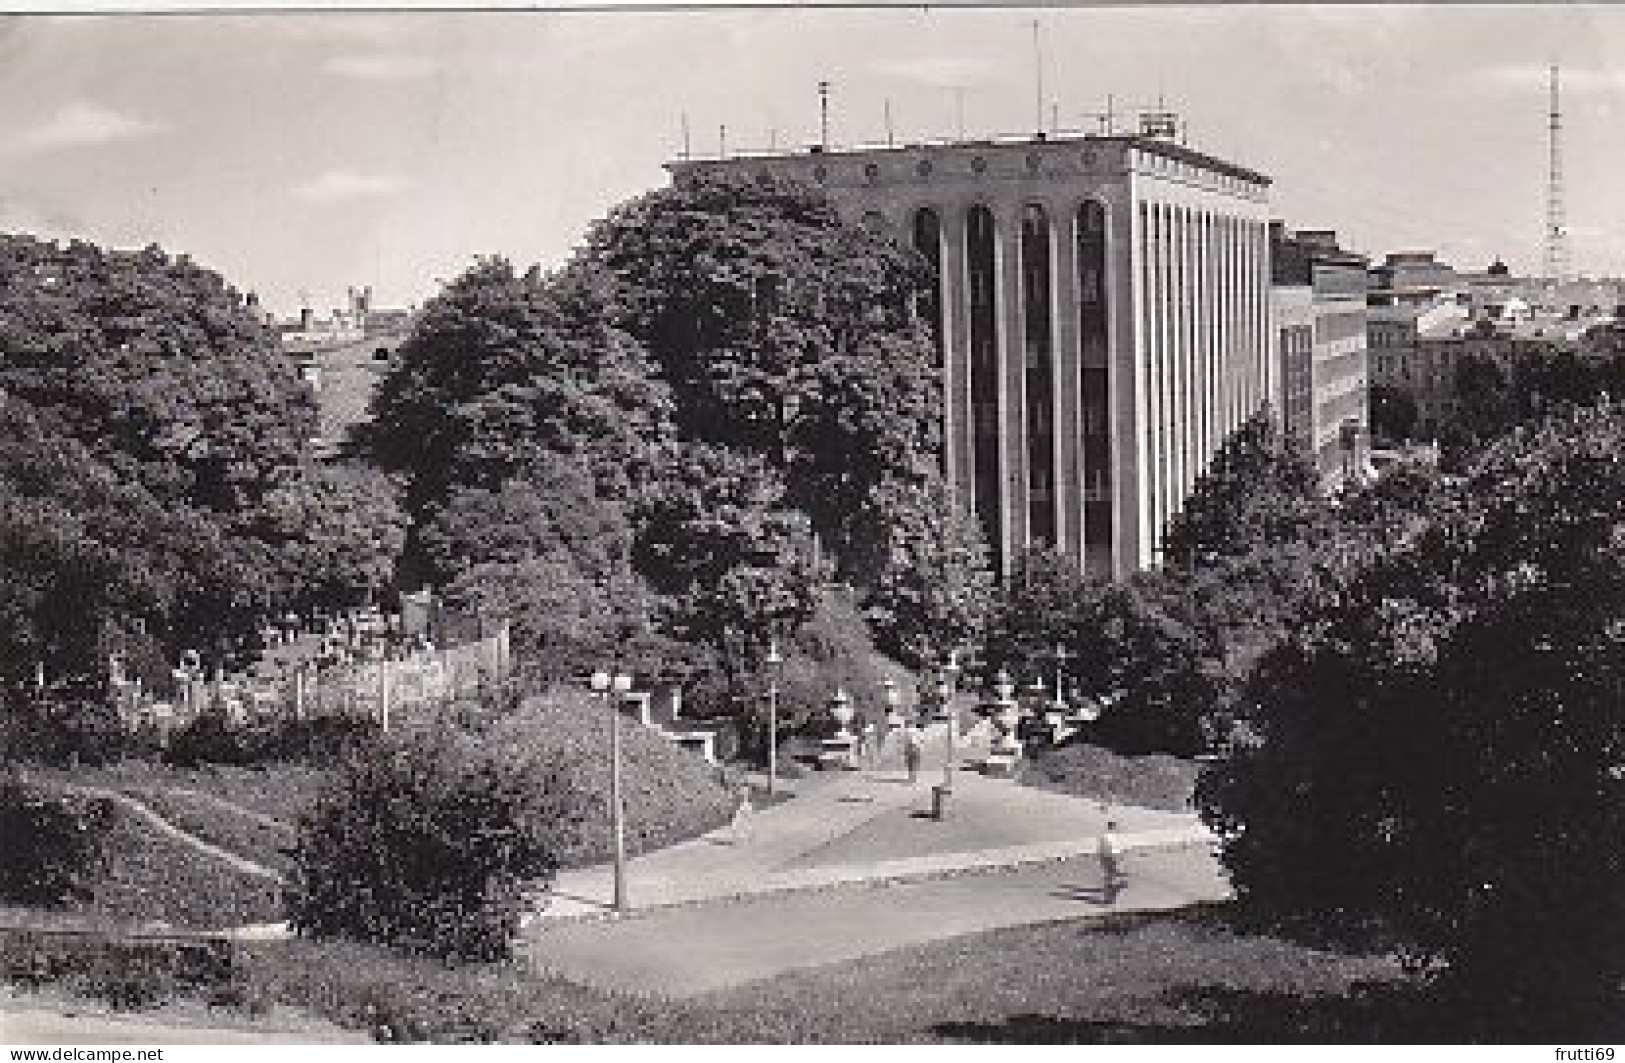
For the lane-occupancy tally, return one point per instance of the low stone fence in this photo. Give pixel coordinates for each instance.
(376, 689)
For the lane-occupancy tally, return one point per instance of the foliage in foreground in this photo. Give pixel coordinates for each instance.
(1437, 750)
(428, 840)
(438, 837)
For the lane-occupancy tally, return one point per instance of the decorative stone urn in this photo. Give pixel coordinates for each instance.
(840, 751)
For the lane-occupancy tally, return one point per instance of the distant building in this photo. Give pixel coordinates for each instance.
(1419, 350)
(1412, 278)
(1415, 350)
(1102, 316)
(1319, 296)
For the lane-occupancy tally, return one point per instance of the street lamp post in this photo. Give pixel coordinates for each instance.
(773, 661)
(612, 688)
(950, 675)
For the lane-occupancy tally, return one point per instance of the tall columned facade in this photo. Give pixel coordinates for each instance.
(1102, 319)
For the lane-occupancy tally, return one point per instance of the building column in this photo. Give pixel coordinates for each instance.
(1065, 308)
(956, 406)
(1013, 489)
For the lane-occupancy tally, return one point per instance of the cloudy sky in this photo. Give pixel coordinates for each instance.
(300, 153)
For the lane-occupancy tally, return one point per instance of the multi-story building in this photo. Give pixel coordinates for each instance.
(1324, 389)
(1292, 316)
(1102, 313)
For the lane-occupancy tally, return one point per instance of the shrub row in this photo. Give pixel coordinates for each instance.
(1083, 770)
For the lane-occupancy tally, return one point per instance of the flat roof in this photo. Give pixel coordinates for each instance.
(1154, 145)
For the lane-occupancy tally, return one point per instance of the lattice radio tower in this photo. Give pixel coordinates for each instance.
(1557, 246)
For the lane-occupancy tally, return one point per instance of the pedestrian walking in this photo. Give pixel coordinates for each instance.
(912, 752)
(1110, 850)
(740, 829)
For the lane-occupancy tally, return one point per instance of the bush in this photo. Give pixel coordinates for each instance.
(210, 738)
(54, 844)
(427, 841)
(71, 721)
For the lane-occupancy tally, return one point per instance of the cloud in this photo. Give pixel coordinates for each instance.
(82, 124)
(381, 66)
(343, 186)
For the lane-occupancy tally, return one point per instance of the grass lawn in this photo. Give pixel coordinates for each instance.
(280, 791)
(1184, 978)
(233, 828)
(150, 877)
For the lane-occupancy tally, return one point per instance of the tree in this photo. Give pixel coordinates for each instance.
(1393, 414)
(334, 531)
(1258, 491)
(1436, 750)
(1141, 649)
(553, 513)
(1039, 607)
(97, 565)
(509, 376)
(922, 564)
(717, 541)
(784, 332)
(154, 365)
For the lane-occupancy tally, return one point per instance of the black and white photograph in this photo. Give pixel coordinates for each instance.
(811, 524)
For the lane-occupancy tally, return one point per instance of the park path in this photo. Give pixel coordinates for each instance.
(853, 866)
(697, 949)
(869, 826)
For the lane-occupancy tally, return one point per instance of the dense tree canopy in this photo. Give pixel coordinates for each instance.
(1393, 414)
(1436, 750)
(921, 562)
(1258, 491)
(506, 372)
(155, 365)
(783, 331)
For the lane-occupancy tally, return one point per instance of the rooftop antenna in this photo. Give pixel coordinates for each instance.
(1557, 251)
(889, 140)
(687, 152)
(722, 141)
(823, 115)
(1038, 81)
(1055, 118)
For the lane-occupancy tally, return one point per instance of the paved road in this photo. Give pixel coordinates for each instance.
(687, 951)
